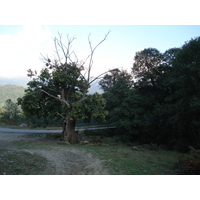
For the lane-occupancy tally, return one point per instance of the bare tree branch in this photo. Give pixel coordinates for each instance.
(82, 99)
(90, 56)
(102, 75)
(92, 52)
(62, 46)
(90, 66)
(84, 94)
(60, 115)
(65, 50)
(46, 59)
(57, 98)
(56, 47)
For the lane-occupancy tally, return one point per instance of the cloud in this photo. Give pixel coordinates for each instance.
(21, 51)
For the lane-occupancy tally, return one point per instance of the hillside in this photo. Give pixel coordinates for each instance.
(10, 92)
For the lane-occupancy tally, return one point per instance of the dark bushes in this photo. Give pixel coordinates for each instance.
(190, 164)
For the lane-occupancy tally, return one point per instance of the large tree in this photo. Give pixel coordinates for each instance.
(62, 88)
(169, 89)
(109, 80)
(184, 82)
(11, 110)
(119, 94)
(146, 66)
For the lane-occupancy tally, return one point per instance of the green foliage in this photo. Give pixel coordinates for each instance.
(11, 113)
(93, 108)
(109, 80)
(119, 98)
(146, 66)
(11, 109)
(60, 90)
(162, 105)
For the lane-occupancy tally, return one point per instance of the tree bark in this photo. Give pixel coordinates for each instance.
(68, 133)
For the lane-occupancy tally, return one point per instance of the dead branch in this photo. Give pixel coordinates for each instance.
(90, 56)
(100, 76)
(82, 99)
(57, 98)
(65, 49)
(92, 52)
(56, 47)
(60, 115)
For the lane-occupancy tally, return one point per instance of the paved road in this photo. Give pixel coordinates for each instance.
(26, 131)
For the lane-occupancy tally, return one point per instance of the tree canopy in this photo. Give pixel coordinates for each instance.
(160, 101)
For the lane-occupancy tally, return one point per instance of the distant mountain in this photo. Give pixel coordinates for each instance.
(14, 88)
(10, 92)
(22, 81)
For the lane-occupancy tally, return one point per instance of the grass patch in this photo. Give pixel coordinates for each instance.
(122, 160)
(21, 163)
(118, 159)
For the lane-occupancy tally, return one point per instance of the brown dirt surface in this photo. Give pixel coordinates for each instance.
(62, 159)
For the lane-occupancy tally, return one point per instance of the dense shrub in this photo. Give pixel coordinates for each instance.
(190, 163)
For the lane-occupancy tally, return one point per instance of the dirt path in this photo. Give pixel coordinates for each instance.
(71, 161)
(62, 159)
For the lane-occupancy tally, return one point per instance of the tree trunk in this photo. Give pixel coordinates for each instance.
(68, 133)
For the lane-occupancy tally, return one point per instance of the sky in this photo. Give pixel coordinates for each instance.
(21, 46)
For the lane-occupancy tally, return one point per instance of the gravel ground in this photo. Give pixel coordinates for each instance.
(62, 159)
